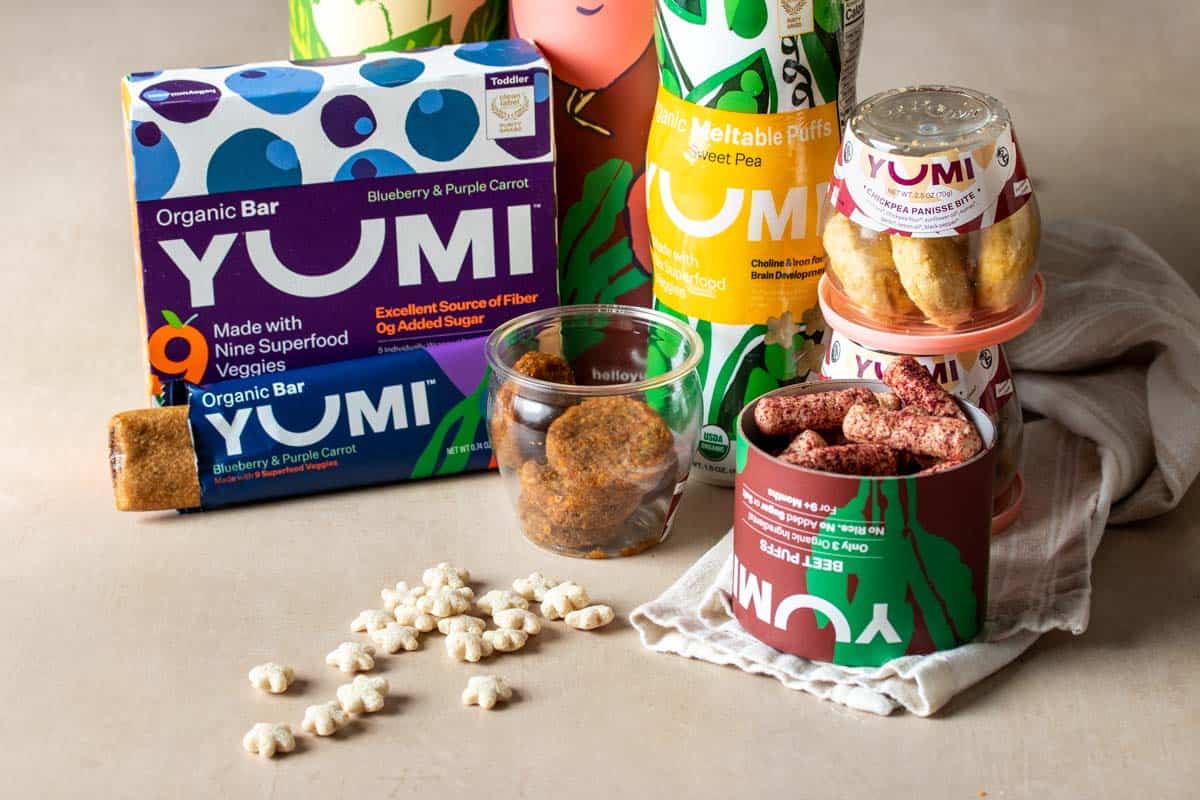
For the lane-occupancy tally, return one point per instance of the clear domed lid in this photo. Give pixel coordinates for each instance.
(921, 120)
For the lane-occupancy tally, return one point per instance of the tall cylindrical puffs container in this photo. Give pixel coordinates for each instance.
(741, 149)
(332, 28)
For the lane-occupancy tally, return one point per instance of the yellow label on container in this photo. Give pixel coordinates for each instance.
(732, 204)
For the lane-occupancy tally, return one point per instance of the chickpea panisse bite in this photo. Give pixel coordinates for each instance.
(861, 260)
(934, 275)
(1007, 251)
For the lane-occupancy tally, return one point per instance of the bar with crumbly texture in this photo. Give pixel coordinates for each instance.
(913, 384)
(152, 460)
(946, 438)
(788, 415)
(852, 459)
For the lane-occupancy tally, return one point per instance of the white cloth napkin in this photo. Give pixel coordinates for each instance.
(1113, 366)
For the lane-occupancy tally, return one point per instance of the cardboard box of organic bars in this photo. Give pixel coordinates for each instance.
(291, 214)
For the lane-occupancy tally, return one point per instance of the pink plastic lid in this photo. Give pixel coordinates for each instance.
(932, 344)
(1008, 506)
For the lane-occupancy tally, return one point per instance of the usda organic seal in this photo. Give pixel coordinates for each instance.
(714, 443)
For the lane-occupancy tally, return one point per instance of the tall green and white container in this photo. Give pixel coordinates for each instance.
(745, 133)
(334, 28)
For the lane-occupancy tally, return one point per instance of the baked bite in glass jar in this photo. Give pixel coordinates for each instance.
(930, 223)
(594, 416)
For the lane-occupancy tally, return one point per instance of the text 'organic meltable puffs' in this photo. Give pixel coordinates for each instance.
(742, 146)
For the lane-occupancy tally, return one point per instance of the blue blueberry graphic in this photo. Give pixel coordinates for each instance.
(347, 120)
(392, 72)
(277, 90)
(541, 87)
(155, 162)
(253, 159)
(373, 164)
(135, 77)
(525, 147)
(442, 123)
(182, 101)
(504, 53)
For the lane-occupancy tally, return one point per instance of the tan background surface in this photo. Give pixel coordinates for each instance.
(125, 639)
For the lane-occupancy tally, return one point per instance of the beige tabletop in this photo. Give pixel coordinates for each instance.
(126, 639)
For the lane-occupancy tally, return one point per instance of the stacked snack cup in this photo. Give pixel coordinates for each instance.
(931, 231)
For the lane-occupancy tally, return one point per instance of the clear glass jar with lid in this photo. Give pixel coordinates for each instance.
(930, 223)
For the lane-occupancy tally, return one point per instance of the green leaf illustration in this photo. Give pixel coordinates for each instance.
(434, 34)
(667, 350)
(910, 570)
(759, 383)
(721, 387)
(306, 41)
(729, 404)
(941, 582)
(587, 262)
(464, 419)
(694, 11)
(823, 69)
(487, 22)
(629, 280)
(668, 68)
(172, 319)
(828, 15)
(746, 18)
(746, 87)
(780, 363)
(704, 331)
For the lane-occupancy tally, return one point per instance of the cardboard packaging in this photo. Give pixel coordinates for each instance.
(292, 214)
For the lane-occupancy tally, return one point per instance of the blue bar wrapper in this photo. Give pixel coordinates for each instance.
(400, 416)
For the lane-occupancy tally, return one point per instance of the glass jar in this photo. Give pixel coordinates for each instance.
(930, 223)
(981, 377)
(594, 435)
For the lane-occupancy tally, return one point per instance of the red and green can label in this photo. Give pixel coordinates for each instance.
(858, 571)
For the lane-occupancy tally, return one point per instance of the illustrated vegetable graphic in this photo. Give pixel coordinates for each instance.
(306, 41)
(592, 268)
(911, 570)
(192, 366)
(590, 43)
(746, 18)
(460, 425)
(321, 28)
(811, 61)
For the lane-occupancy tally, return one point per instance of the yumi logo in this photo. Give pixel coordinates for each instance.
(362, 416)
(755, 594)
(765, 219)
(416, 239)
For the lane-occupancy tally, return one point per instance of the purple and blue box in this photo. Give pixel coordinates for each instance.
(289, 215)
